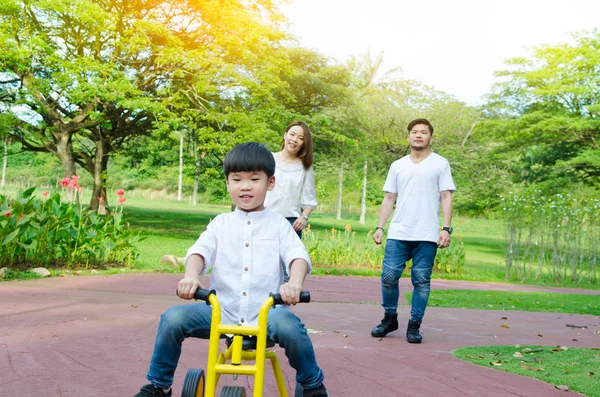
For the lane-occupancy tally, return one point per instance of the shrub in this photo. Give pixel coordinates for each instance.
(49, 232)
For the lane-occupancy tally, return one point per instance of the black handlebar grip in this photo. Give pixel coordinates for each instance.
(201, 294)
(304, 298)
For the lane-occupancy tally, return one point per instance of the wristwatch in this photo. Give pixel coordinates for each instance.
(448, 229)
(304, 216)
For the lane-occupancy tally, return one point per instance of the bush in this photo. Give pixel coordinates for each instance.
(341, 249)
(48, 232)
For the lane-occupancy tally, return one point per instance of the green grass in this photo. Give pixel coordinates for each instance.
(578, 369)
(511, 300)
(171, 227)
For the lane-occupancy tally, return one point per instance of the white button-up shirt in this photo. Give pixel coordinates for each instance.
(294, 189)
(245, 251)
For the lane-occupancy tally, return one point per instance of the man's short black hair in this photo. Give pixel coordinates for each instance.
(249, 157)
(420, 121)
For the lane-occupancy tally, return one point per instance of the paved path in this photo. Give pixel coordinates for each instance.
(93, 336)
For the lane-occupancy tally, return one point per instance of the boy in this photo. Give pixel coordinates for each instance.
(245, 249)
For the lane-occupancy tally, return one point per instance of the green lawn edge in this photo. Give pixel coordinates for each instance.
(576, 368)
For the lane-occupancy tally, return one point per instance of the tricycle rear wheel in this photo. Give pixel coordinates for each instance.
(233, 391)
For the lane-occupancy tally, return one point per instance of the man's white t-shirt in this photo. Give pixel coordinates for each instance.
(418, 186)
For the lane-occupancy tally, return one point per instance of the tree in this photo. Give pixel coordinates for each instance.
(93, 74)
(547, 111)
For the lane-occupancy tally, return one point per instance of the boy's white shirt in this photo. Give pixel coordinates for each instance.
(417, 213)
(245, 251)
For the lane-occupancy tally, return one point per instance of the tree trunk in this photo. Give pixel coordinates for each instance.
(4, 161)
(196, 181)
(338, 215)
(99, 200)
(363, 199)
(64, 152)
(180, 182)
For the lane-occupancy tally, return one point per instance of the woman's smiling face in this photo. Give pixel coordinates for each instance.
(294, 140)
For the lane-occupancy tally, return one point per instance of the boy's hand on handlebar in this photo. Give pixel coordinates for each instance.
(187, 286)
(290, 292)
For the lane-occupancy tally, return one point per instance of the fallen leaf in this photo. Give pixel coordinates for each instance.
(504, 318)
(496, 363)
(597, 332)
(592, 373)
(575, 340)
(532, 368)
(576, 326)
(562, 387)
(540, 335)
(518, 355)
(475, 358)
(134, 306)
(560, 348)
(528, 350)
(504, 326)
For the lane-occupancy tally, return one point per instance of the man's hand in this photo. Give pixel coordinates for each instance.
(443, 239)
(378, 236)
(299, 224)
(187, 287)
(290, 292)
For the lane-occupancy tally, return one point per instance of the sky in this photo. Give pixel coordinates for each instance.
(452, 45)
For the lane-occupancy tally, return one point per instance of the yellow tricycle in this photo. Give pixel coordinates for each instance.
(244, 343)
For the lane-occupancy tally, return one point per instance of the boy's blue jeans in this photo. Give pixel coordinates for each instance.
(193, 320)
(397, 253)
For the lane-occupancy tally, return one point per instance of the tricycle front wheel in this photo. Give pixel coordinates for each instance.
(193, 385)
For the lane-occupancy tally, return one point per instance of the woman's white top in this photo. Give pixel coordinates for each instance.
(294, 189)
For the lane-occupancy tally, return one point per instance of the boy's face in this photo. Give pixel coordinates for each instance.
(249, 189)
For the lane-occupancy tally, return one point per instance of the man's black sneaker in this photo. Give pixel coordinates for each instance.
(153, 391)
(388, 324)
(412, 332)
(320, 391)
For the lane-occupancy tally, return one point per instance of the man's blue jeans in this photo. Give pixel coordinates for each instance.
(397, 253)
(193, 320)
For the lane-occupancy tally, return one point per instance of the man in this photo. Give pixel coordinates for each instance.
(417, 183)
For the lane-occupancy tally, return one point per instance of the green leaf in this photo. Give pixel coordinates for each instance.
(10, 237)
(27, 193)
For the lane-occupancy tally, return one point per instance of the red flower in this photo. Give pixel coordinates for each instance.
(45, 194)
(65, 181)
(120, 192)
(121, 200)
(7, 215)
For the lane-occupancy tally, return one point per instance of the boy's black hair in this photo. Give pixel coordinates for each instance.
(420, 121)
(249, 157)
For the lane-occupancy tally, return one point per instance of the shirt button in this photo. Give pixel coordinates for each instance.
(246, 268)
(242, 320)
(247, 244)
(244, 294)
(249, 222)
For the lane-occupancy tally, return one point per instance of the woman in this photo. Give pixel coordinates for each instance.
(295, 194)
